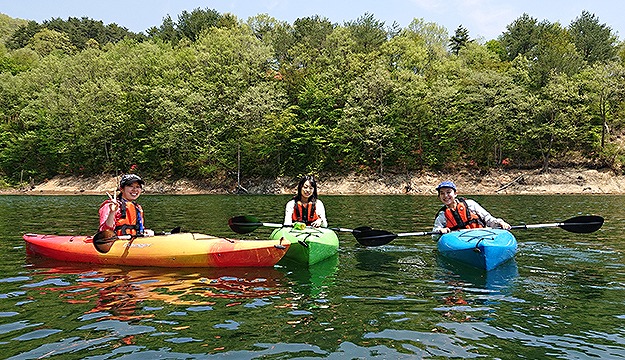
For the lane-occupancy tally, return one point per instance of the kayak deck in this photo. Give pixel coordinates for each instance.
(308, 246)
(481, 248)
(173, 250)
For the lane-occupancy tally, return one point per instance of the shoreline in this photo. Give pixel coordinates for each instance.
(493, 182)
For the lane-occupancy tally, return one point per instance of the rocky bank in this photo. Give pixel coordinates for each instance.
(556, 181)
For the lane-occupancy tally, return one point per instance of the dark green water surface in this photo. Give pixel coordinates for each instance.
(561, 298)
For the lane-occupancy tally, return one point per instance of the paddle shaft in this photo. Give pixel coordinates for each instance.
(530, 226)
(259, 224)
(579, 224)
(275, 225)
(538, 226)
(113, 239)
(245, 224)
(535, 226)
(421, 233)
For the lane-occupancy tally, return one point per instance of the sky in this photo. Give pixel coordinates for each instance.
(484, 19)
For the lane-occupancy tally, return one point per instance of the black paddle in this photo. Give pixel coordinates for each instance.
(579, 224)
(377, 237)
(246, 224)
(103, 240)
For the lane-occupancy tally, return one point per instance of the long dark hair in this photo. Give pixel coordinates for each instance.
(313, 183)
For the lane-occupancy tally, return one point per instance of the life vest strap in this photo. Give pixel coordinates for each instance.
(304, 213)
(468, 221)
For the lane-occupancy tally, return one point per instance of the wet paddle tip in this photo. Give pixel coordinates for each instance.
(243, 224)
(102, 241)
(373, 237)
(583, 224)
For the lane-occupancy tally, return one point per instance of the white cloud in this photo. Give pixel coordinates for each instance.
(487, 19)
(430, 5)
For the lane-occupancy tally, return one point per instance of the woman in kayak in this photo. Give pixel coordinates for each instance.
(305, 207)
(122, 213)
(459, 213)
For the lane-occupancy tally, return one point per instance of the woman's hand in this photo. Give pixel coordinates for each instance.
(316, 223)
(110, 219)
(444, 230)
(504, 225)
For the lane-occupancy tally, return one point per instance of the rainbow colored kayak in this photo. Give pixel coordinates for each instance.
(482, 248)
(174, 250)
(309, 245)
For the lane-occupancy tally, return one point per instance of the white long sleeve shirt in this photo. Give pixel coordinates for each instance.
(490, 221)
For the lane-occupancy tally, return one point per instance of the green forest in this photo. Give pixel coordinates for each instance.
(210, 96)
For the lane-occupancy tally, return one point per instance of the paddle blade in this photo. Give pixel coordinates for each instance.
(243, 224)
(103, 240)
(372, 237)
(362, 229)
(582, 224)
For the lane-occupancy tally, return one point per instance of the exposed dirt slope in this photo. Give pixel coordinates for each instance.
(557, 181)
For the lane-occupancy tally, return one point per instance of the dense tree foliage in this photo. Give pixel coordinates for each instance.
(193, 95)
(81, 33)
(190, 25)
(8, 26)
(459, 40)
(594, 41)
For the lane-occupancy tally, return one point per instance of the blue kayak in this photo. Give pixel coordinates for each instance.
(482, 248)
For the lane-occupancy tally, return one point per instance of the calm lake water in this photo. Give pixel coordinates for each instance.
(561, 298)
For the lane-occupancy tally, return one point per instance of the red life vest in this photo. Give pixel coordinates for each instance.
(304, 213)
(462, 217)
(131, 219)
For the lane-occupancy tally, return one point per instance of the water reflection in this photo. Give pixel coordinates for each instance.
(315, 280)
(376, 259)
(500, 279)
(121, 293)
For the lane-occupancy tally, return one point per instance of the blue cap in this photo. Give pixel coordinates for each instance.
(446, 184)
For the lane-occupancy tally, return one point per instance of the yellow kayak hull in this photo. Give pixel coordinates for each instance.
(174, 250)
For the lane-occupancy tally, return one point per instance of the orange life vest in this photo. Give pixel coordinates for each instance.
(131, 220)
(304, 213)
(462, 217)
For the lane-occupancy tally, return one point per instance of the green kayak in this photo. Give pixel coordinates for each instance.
(308, 246)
